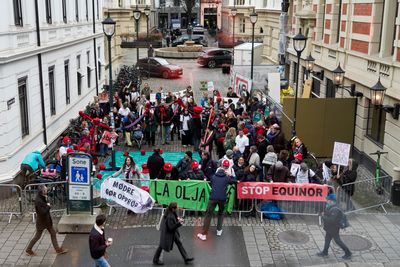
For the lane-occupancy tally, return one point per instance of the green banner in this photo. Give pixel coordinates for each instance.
(191, 195)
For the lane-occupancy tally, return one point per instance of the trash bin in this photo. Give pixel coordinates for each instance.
(396, 193)
(226, 68)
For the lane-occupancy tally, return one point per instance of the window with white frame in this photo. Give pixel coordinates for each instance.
(242, 25)
(18, 13)
(23, 105)
(239, 2)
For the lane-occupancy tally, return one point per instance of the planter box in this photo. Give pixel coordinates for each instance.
(140, 44)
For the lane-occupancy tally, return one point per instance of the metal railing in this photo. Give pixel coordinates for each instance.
(10, 200)
(56, 196)
(365, 194)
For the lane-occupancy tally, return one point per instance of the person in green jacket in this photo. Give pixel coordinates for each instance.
(31, 163)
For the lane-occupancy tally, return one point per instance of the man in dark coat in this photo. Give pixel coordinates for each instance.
(43, 221)
(155, 163)
(98, 243)
(208, 166)
(185, 165)
(332, 218)
(262, 146)
(219, 185)
(170, 234)
(277, 138)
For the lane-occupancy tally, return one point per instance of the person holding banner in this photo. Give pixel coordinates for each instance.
(169, 235)
(219, 185)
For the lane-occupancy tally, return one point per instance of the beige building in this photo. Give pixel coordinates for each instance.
(266, 29)
(121, 11)
(363, 36)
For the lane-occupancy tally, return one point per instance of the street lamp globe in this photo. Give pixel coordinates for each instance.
(136, 13)
(253, 17)
(338, 76)
(108, 26)
(310, 63)
(299, 42)
(377, 93)
(233, 11)
(147, 11)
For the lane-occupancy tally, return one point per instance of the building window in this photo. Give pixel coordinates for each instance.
(52, 91)
(87, 57)
(48, 11)
(330, 89)
(242, 25)
(77, 10)
(98, 62)
(17, 13)
(316, 87)
(239, 2)
(64, 10)
(23, 106)
(79, 82)
(66, 77)
(176, 2)
(97, 9)
(120, 3)
(87, 10)
(376, 123)
(89, 78)
(78, 62)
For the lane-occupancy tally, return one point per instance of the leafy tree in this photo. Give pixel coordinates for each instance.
(188, 6)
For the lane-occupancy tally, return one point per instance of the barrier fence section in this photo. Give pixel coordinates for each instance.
(365, 194)
(56, 196)
(11, 202)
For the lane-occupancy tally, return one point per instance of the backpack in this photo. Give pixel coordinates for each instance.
(344, 222)
(312, 180)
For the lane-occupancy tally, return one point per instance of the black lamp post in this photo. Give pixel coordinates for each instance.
(338, 80)
(253, 20)
(309, 64)
(299, 44)
(136, 16)
(109, 30)
(147, 13)
(233, 13)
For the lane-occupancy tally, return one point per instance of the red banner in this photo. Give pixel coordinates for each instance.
(282, 191)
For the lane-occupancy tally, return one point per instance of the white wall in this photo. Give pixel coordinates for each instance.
(18, 58)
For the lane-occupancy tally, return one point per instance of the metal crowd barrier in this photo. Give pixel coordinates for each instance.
(308, 208)
(57, 197)
(364, 194)
(10, 200)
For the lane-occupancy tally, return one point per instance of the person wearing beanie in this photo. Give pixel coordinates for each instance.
(278, 173)
(331, 219)
(62, 152)
(155, 163)
(184, 165)
(219, 184)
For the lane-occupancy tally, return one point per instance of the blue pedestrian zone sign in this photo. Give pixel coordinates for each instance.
(79, 175)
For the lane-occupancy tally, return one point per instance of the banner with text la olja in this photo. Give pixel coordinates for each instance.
(191, 195)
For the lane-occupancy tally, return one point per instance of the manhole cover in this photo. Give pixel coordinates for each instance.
(355, 242)
(140, 254)
(293, 237)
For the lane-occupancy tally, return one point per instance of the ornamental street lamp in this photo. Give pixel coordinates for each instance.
(377, 96)
(253, 20)
(299, 44)
(233, 13)
(147, 13)
(338, 80)
(136, 16)
(109, 30)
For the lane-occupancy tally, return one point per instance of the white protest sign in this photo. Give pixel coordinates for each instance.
(294, 169)
(127, 195)
(210, 86)
(341, 154)
(274, 86)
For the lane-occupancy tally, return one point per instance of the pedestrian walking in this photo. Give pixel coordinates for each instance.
(219, 183)
(332, 221)
(43, 221)
(170, 234)
(150, 51)
(98, 243)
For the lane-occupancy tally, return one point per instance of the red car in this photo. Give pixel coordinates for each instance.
(215, 57)
(159, 67)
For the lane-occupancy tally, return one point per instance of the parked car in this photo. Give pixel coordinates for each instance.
(215, 57)
(198, 29)
(197, 39)
(159, 67)
(176, 32)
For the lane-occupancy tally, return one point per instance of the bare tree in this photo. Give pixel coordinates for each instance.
(188, 6)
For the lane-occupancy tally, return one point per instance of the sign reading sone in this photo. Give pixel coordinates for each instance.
(79, 170)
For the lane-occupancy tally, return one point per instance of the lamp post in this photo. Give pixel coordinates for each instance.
(253, 20)
(147, 13)
(309, 64)
(299, 44)
(377, 96)
(233, 13)
(136, 16)
(109, 30)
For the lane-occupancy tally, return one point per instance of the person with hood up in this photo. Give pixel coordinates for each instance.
(219, 185)
(332, 220)
(346, 181)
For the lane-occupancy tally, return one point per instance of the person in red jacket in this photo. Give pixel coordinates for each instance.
(98, 243)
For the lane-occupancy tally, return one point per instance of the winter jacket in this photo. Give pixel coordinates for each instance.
(169, 229)
(155, 163)
(349, 177)
(184, 167)
(278, 175)
(250, 177)
(35, 160)
(270, 158)
(209, 168)
(219, 185)
(331, 218)
(239, 172)
(97, 244)
(196, 174)
(43, 220)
